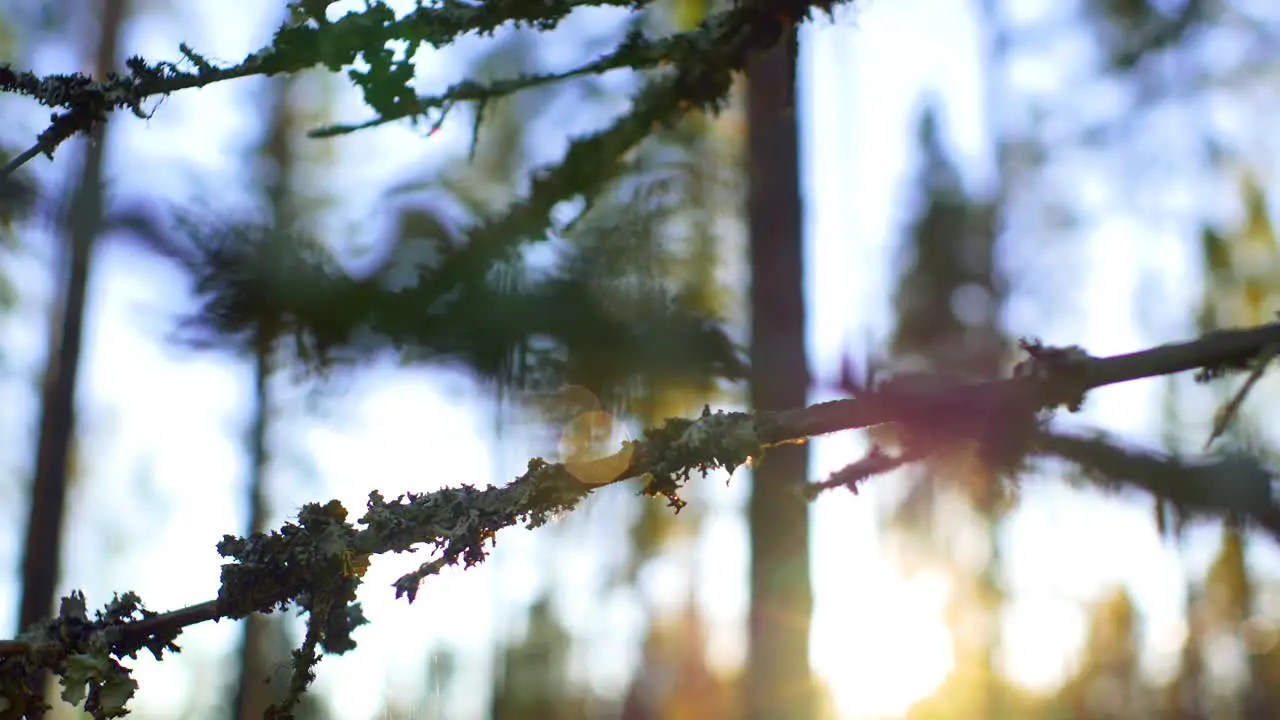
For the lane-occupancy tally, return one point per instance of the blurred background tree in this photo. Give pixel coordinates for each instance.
(55, 468)
(1151, 67)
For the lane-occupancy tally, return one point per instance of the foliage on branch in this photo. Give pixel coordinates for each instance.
(327, 311)
(699, 68)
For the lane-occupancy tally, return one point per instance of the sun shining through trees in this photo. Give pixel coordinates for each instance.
(893, 651)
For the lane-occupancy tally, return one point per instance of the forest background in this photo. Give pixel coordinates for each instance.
(1132, 190)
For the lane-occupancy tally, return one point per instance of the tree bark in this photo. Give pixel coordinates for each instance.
(42, 550)
(777, 682)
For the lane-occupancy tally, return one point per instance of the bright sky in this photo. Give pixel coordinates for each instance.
(167, 426)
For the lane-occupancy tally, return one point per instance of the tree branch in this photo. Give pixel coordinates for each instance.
(1236, 485)
(702, 58)
(317, 562)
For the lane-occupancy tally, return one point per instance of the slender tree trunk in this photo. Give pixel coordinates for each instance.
(253, 695)
(259, 646)
(42, 550)
(777, 682)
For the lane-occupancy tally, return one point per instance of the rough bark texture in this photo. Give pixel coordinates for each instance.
(777, 682)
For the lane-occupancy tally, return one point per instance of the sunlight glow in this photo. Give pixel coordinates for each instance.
(1042, 637)
(882, 660)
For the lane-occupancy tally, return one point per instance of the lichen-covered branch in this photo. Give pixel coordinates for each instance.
(360, 42)
(317, 562)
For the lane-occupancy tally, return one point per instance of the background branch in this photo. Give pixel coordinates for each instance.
(1235, 485)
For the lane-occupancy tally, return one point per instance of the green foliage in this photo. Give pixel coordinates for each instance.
(85, 654)
(247, 276)
(947, 259)
(607, 313)
(648, 246)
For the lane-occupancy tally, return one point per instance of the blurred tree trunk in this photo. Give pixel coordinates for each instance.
(253, 695)
(254, 691)
(43, 547)
(777, 682)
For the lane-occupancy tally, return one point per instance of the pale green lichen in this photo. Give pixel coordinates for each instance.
(720, 439)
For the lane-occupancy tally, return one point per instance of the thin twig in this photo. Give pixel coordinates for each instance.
(1227, 412)
(62, 127)
(22, 158)
(851, 476)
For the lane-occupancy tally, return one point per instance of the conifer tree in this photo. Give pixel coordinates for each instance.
(948, 300)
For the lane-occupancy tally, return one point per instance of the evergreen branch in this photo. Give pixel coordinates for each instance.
(469, 90)
(1212, 354)
(701, 67)
(704, 65)
(1236, 485)
(635, 52)
(87, 102)
(715, 48)
(42, 145)
(364, 36)
(318, 562)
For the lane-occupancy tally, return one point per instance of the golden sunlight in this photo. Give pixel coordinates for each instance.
(891, 652)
